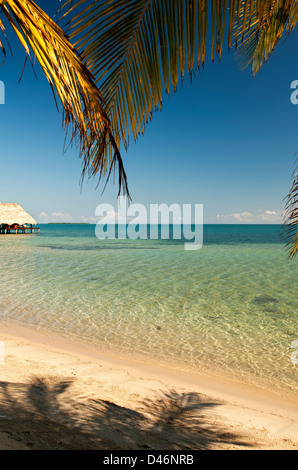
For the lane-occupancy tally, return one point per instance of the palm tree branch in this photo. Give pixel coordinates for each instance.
(291, 218)
(271, 20)
(132, 46)
(83, 105)
(137, 48)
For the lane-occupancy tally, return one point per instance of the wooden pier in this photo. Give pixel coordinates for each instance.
(19, 230)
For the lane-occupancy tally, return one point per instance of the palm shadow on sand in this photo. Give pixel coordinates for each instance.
(46, 416)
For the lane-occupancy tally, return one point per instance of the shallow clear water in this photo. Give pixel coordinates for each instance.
(230, 308)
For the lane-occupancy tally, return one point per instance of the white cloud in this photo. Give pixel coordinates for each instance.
(45, 218)
(61, 217)
(42, 215)
(270, 216)
(243, 217)
(88, 220)
(262, 216)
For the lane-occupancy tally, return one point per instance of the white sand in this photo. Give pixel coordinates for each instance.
(58, 394)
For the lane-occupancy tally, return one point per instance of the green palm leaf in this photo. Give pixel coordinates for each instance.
(139, 49)
(268, 22)
(291, 217)
(71, 82)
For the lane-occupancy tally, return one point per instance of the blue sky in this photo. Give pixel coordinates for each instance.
(227, 141)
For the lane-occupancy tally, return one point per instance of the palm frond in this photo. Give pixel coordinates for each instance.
(71, 81)
(139, 49)
(268, 22)
(291, 218)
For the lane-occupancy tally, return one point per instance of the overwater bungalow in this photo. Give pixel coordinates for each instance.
(15, 220)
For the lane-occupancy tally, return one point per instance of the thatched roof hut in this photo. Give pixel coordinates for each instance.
(11, 214)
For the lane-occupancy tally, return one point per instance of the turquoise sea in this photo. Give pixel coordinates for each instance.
(230, 308)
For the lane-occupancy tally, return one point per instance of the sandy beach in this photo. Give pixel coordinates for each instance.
(58, 394)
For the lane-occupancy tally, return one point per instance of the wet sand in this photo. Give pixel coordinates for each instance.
(56, 393)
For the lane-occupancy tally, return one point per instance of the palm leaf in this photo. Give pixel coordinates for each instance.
(71, 81)
(258, 44)
(138, 50)
(268, 21)
(291, 217)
